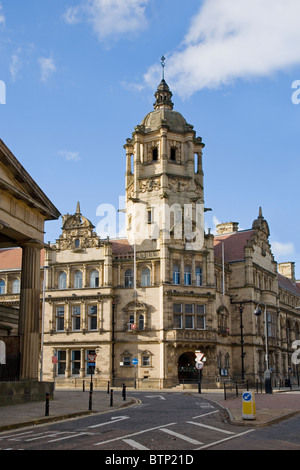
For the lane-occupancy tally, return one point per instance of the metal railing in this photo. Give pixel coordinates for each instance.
(10, 372)
(234, 389)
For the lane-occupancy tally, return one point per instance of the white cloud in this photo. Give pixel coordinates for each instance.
(109, 18)
(15, 66)
(282, 249)
(70, 156)
(233, 39)
(47, 67)
(2, 17)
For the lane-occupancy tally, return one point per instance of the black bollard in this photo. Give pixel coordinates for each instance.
(83, 386)
(124, 392)
(111, 397)
(90, 400)
(47, 404)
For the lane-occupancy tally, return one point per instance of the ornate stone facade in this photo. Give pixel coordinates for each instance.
(169, 288)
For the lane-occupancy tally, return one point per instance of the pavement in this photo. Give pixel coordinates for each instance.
(66, 404)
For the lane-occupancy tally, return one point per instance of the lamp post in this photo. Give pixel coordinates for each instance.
(267, 374)
(242, 342)
(43, 319)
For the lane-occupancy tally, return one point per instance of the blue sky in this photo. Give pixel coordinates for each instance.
(81, 74)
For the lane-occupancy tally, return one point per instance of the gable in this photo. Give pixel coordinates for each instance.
(15, 181)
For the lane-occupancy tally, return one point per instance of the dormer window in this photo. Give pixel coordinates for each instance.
(77, 243)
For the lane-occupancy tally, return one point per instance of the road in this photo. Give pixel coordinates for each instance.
(161, 424)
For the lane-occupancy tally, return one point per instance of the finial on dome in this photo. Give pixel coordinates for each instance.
(78, 208)
(163, 59)
(163, 94)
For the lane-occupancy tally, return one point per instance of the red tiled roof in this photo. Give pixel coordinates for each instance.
(11, 258)
(287, 284)
(121, 246)
(234, 245)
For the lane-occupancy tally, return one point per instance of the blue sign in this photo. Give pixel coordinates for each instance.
(247, 396)
(135, 362)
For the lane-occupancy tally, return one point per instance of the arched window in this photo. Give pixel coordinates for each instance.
(2, 287)
(78, 280)
(94, 278)
(128, 278)
(77, 243)
(198, 276)
(16, 286)
(62, 281)
(146, 277)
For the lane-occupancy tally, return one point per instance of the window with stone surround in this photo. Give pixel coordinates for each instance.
(78, 280)
(94, 278)
(76, 317)
(2, 287)
(189, 316)
(62, 280)
(60, 318)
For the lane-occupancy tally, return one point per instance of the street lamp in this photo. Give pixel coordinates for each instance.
(267, 374)
(43, 318)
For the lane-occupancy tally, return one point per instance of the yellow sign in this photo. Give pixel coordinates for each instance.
(249, 409)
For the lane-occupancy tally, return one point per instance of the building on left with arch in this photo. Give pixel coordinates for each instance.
(24, 208)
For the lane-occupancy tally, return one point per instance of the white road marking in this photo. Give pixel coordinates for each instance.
(205, 414)
(44, 436)
(135, 444)
(155, 396)
(69, 437)
(11, 436)
(134, 434)
(113, 420)
(181, 436)
(211, 444)
(212, 428)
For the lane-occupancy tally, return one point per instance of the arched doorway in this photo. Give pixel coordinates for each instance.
(186, 367)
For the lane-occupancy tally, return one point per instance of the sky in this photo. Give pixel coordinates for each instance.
(77, 76)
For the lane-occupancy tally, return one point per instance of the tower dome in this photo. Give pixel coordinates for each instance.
(163, 114)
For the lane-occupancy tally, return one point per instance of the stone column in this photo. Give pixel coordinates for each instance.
(29, 327)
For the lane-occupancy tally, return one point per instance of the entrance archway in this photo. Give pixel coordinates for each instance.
(186, 367)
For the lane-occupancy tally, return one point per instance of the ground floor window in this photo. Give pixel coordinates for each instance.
(146, 361)
(61, 362)
(126, 361)
(75, 362)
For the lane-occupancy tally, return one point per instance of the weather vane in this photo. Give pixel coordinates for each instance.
(163, 66)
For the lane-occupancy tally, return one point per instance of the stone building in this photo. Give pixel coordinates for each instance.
(169, 288)
(24, 208)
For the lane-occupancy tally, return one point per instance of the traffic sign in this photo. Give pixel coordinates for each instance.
(249, 408)
(135, 361)
(92, 357)
(199, 365)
